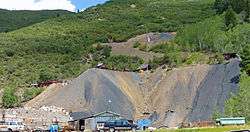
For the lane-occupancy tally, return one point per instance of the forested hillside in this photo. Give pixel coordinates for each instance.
(58, 48)
(228, 32)
(12, 20)
(62, 48)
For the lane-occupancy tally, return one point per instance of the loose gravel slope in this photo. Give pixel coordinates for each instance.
(186, 94)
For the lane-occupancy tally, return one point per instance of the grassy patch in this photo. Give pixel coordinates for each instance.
(31, 93)
(196, 57)
(215, 129)
(122, 62)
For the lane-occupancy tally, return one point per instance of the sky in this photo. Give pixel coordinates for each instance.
(70, 5)
(83, 4)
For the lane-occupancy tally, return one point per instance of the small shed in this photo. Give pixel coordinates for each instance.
(78, 120)
(84, 121)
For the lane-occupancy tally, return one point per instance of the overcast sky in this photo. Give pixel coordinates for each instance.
(70, 5)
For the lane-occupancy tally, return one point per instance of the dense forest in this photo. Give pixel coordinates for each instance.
(13, 20)
(63, 47)
(227, 32)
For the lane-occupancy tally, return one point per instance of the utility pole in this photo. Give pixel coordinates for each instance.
(109, 105)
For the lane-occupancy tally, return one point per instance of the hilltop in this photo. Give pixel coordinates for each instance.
(13, 20)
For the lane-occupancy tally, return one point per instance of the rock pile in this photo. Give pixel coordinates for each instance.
(37, 118)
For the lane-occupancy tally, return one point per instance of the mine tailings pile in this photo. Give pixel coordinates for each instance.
(168, 98)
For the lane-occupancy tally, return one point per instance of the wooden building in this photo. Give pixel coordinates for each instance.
(83, 121)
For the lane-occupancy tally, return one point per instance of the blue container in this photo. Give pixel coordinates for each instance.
(143, 123)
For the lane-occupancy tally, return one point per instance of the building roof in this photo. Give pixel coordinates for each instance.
(80, 115)
(106, 113)
(85, 115)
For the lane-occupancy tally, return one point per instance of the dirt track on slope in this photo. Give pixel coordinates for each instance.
(150, 39)
(181, 95)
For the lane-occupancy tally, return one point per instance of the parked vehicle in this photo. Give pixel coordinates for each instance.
(3, 127)
(40, 130)
(115, 125)
(10, 126)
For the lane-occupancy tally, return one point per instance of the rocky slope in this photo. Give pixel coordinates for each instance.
(186, 94)
(149, 39)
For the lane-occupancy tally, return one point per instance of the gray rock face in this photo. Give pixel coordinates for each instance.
(186, 94)
(214, 90)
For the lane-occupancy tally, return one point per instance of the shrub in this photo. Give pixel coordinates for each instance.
(165, 47)
(101, 52)
(216, 59)
(31, 93)
(230, 18)
(216, 113)
(122, 62)
(9, 52)
(46, 75)
(143, 47)
(158, 61)
(246, 59)
(174, 59)
(247, 69)
(136, 44)
(197, 58)
(9, 98)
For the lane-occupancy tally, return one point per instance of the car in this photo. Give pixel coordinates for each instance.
(14, 125)
(3, 127)
(40, 130)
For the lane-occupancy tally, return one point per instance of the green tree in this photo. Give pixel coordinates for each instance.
(247, 17)
(46, 75)
(216, 113)
(245, 55)
(106, 51)
(238, 5)
(239, 105)
(220, 6)
(136, 44)
(9, 98)
(9, 52)
(230, 18)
